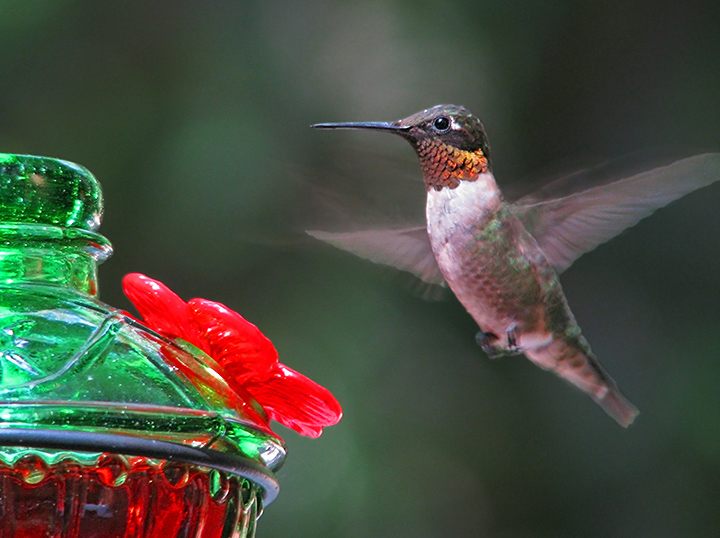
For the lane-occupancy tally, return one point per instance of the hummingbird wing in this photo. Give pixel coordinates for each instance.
(407, 249)
(569, 226)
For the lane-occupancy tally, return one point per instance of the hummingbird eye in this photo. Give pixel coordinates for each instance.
(441, 124)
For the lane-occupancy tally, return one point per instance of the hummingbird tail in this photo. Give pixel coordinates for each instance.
(618, 407)
(573, 361)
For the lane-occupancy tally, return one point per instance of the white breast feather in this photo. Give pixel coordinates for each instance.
(450, 209)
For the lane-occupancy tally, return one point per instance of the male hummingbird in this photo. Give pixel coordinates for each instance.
(502, 259)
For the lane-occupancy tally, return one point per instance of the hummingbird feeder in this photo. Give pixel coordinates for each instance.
(112, 426)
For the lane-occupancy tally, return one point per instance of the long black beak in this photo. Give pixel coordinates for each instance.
(373, 125)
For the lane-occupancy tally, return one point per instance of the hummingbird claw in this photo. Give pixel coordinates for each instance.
(512, 338)
(487, 342)
(490, 343)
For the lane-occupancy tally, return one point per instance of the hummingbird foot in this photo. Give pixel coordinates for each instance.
(487, 342)
(512, 337)
(490, 343)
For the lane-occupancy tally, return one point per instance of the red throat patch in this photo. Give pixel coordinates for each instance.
(445, 166)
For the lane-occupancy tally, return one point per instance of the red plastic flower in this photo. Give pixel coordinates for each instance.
(246, 354)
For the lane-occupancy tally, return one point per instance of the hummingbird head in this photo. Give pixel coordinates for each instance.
(450, 142)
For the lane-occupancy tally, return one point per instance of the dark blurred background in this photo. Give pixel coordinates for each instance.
(194, 116)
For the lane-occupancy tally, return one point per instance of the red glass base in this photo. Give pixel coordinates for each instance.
(123, 497)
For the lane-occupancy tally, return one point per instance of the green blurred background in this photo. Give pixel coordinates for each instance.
(194, 116)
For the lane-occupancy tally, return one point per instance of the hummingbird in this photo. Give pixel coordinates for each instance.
(502, 259)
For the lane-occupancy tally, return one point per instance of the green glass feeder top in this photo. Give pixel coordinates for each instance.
(42, 190)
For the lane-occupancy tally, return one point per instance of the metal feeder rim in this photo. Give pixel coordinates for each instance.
(75, 441)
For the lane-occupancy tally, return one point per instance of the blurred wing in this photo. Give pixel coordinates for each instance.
(407, 249)
(567, 227)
